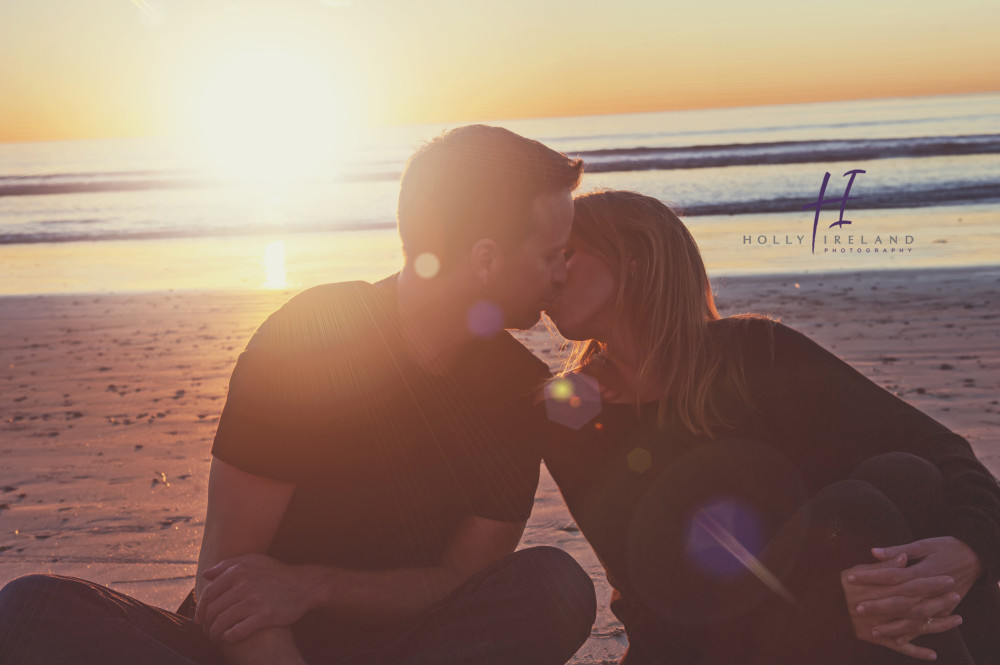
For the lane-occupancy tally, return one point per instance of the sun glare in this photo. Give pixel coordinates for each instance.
(274, 265)
(270, 114)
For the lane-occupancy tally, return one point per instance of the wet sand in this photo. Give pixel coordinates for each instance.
(108, 405)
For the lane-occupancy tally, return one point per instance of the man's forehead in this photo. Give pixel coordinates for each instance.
(552, 201)
(552, 214)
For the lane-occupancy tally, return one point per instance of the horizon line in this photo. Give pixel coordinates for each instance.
(464, 121)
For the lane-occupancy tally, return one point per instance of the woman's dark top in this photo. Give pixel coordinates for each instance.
(812, 408)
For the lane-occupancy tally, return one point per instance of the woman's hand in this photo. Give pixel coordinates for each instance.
(893, 600)
(871, 614)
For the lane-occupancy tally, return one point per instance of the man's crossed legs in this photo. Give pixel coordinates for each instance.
(535, 606)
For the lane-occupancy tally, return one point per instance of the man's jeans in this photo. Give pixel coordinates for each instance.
(534, 606)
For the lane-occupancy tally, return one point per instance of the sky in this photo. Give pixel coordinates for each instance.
(101, 68)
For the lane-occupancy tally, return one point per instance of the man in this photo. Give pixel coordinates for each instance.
(372, 471)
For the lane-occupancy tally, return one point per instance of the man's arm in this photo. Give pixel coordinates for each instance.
(263, 593)
(243, 514)
(397, 593)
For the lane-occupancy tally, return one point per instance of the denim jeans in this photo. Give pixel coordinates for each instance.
(534, 606)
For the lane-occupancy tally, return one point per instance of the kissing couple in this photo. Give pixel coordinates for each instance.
(752, 498)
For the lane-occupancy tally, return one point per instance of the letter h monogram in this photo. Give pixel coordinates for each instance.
(818, 205)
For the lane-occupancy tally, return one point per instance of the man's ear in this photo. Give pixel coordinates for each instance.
(485, 258)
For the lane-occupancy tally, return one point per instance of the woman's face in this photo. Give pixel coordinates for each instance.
(584, 308)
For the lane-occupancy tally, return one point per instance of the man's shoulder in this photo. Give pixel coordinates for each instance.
(507, 367)
(319, 317)
(316, 302)
(316, 350)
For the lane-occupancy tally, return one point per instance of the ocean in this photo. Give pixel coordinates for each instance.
(147, 214)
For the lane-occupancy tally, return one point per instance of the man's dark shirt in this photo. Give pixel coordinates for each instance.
(387, 457)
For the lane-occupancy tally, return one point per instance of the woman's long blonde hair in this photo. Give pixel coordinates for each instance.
(665, 296)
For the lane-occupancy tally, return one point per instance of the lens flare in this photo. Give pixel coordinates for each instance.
(639, 460)
(720, 539)
(572, 400)
(561, 389)
(485, 319)
(427, 265)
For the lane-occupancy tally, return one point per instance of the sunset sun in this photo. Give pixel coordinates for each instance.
(270, 114)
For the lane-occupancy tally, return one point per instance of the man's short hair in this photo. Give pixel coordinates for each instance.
(476, 182)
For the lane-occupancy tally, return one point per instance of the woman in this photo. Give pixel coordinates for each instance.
(733, 476)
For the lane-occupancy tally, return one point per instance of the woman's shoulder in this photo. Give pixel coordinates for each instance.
(763, 343)
(744, 323)
(776, 354)
(753, 327)
(748, 335)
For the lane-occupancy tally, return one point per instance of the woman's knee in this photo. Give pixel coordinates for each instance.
(914, 485)
(849, 517)
(898, 470)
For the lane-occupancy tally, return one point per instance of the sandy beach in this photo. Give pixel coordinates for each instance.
(109, 404)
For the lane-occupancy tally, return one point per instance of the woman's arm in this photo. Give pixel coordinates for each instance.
(830, 418)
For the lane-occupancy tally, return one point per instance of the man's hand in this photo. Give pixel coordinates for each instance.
(906, 600)
(250, 592)
(870, 612)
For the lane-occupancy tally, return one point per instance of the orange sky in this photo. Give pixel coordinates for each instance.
(71, 69)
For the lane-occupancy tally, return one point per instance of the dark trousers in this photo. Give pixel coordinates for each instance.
(534, 606)
(736, 619)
